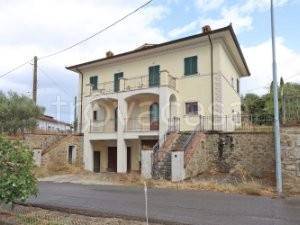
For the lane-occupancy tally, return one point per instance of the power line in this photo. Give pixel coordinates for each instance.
(14, 69)
(80, 42)
(97, 33)
(53, 81)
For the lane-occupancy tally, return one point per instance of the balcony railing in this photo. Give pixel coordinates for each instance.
(135, 83)
(105, 126)
(142, 124)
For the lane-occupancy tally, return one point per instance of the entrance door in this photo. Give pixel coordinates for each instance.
(154, 72)
(128, 159)
(112, 159)
(97, 162)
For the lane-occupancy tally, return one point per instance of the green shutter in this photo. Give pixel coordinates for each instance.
(94, 82)
(191, 65)
(117, 78)
(154, 76)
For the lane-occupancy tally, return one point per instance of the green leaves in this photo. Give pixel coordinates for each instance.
(17, 181)
(17, 113)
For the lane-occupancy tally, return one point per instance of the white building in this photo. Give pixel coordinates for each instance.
(49, 124)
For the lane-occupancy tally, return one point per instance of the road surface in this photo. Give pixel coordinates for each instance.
(168, 206)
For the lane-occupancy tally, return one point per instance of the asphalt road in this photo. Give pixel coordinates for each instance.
(168, 206)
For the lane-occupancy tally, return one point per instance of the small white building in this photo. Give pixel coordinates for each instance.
(48, 123)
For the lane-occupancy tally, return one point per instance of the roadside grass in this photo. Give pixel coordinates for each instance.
(22, 215)
(241, 183)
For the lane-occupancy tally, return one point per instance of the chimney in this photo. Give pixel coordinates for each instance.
(109, 54)
(206, 29)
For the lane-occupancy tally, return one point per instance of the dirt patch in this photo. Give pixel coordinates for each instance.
(22, 215)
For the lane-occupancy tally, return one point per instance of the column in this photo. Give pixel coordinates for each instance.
(88, 153)
(164, 112)
(121, 144)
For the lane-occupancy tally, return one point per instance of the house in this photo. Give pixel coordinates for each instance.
(49, 124)
(130, 101)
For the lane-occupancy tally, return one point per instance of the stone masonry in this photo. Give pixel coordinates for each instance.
(290, 147)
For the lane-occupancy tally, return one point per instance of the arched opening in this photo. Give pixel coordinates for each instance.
(154, 116)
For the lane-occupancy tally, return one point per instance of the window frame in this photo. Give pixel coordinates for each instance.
(189, 67)
(189, 108)
(94, 86)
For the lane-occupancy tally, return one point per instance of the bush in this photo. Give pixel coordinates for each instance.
(17, 181)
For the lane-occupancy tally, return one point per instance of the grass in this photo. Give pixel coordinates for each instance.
(35, 216)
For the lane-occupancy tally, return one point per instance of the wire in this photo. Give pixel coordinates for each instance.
(54, 82)
(97, 33)
(14, 69)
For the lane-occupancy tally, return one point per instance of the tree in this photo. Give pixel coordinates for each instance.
(17, 181)
(17, 113)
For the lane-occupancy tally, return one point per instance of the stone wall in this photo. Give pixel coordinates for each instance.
(57, 155)
(54, 148)
(290, 147)
(234, 153)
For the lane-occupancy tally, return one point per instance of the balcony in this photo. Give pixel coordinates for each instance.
(105, 126)
(135, 83)
(142, 124)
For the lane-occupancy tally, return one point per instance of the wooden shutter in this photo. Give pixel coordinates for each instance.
(117, 78)
(154, 76)
(94, 82)
(191, 65)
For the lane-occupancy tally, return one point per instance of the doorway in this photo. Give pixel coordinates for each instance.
(112, 159)
(128, 159)
(97, 162)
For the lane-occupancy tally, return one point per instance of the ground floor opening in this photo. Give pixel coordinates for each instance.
(106, 153)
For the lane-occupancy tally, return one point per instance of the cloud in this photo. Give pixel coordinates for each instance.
(51, 25)
(259, 58)
(239, 14)
(206, 5)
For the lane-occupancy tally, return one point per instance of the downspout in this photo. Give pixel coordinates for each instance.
(81, 99)
(212, 81)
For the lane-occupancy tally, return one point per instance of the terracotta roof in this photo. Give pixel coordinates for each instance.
(52, 120)
(153, 46)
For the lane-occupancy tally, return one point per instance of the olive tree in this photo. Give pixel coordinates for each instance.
(17, 181)
(18, 113)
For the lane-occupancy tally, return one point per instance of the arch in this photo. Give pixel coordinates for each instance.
(154, 116)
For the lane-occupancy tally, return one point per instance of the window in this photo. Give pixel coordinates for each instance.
(238, 85)
(191, 65)
(95, 115)
(94, 82)
(154, 76)
(117, 78)
(232, 82)
(70, 154)
(191, 108)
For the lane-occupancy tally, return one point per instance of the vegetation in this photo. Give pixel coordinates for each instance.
(261, 107)
(18, 113)
(17, 181)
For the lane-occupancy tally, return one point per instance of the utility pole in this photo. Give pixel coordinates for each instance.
(276, 110)
(34, 81)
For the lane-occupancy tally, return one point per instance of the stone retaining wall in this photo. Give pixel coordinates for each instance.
(290, 147)
(238, 153)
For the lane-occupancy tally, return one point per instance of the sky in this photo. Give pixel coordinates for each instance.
(39, 27)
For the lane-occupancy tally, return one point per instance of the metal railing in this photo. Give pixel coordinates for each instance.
(142, 124)
(174, 124)
(105, 126)
(134, 83)
(236, 122)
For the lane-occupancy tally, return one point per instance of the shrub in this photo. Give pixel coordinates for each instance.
(17, 181)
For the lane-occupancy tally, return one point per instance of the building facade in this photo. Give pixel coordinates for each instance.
(49, 124)
(128, 102)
